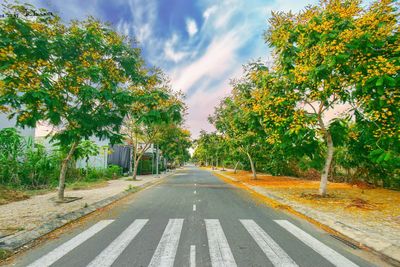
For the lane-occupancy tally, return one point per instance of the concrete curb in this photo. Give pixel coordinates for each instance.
(13, 242)
(390, 252)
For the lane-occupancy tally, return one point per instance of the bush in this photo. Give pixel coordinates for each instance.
(24, 164)
(113, 171)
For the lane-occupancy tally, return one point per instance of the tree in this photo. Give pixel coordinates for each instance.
(155, 107)
(174, 143)
(74, 77)
(235, 119)
(339, 52)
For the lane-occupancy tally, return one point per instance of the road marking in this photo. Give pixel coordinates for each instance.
(192, 256)
(68, 246)
(272, 250)
(164, 255)
(220, 252)
(194, 207)
(331, 255)
(195, 192)
(111, 253)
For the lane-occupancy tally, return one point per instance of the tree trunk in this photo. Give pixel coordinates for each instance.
(63, 171)
(131, 160)
(236, 165)
(135, 168)
(253, 169)
(328, 161)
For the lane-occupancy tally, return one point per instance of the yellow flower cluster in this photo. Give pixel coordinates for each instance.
(344, 10)
(301, 73)
(325, 26)
(6, 53)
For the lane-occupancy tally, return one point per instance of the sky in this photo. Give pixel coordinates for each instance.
(200, 44)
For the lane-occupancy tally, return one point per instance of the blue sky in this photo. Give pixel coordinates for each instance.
(200, 44)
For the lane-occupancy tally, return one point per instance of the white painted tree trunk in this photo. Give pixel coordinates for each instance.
(253, 169)
(236, 165)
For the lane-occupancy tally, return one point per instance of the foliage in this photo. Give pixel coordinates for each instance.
(175, 143)
(337, 54)
(156, 108)
(76, 77)
(31, 166)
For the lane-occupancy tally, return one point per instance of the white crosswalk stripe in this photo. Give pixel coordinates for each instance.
(219, 249)
(220, 252)
(331, 255)
(110, 254)
(164, 256)
(68, 246)
(272, 250)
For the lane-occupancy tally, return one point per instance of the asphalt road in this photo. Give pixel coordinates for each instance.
(194, 219)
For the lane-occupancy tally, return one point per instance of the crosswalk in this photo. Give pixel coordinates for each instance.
(220, 252)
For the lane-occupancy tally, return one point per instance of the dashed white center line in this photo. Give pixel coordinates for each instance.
(194, 207)
(192, 256)
(195, 192)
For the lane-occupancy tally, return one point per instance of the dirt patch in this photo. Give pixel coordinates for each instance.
(363, 185)
(361, 204)
(9, 195)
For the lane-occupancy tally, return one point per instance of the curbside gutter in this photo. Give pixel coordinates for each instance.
(16, 241)
(387, 251)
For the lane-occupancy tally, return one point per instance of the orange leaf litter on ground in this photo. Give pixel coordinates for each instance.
(346, 199)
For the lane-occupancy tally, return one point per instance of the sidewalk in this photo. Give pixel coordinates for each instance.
(26, 220)
(371, 224)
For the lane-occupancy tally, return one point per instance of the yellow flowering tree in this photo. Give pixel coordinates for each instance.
(340, 52)
(155, 107)
(75, 77)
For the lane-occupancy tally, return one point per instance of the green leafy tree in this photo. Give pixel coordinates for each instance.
(174, 142)
(75, 77)
(155, 107)
(313, 49)
(240, 126)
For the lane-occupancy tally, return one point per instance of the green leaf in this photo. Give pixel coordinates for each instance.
(379, 82)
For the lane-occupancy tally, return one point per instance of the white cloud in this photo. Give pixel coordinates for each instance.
(170, 52)
(191, 27)
(209, 11)
(143, 19)
(217, 60)
(201, 103)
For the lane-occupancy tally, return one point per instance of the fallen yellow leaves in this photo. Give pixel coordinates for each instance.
(357, 201)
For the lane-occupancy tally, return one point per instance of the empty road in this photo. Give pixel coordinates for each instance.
(194, 219)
